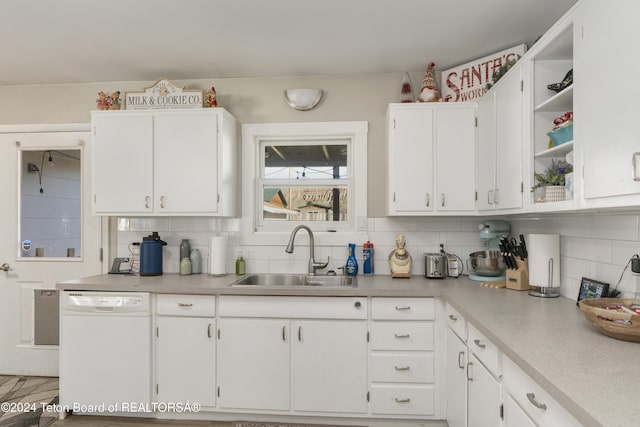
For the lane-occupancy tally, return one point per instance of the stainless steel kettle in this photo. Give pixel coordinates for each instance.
(435, 266)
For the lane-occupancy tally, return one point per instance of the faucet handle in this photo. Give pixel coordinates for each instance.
(341, 268)
(319, 265)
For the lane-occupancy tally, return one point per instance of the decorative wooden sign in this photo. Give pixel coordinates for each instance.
(163, 95)
(467, 82)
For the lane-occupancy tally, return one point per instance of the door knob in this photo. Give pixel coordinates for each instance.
(5, 267)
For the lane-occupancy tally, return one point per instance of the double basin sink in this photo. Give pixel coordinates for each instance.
(295, 280)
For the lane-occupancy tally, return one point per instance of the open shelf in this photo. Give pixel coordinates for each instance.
(562, 101)
(557, 151)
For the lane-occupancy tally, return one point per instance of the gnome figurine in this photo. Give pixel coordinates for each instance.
(429, 91)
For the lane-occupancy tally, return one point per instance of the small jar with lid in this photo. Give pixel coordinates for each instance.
(185, 267)
(241, 266)
(196, 261)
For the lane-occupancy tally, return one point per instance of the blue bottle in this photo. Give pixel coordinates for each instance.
(367, 253)
(351, 268)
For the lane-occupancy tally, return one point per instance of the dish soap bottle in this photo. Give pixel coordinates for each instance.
(241, 267)
(367, 252)
(351, 267)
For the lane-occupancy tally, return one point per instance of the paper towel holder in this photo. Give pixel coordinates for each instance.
(546, 291)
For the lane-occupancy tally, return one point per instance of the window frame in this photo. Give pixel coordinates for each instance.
(354, 134)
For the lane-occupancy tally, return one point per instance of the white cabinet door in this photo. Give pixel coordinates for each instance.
(483, 397)
(509, 140)
(122, 163)
(455, 158)
(610, 136)
(486, 177)
(330, 366)
(254, 361)
(186, 365)
(186, 172)
(410, 160)
(456, 381)
(514, 415)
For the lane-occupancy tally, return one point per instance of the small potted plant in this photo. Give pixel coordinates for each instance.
(553, 181)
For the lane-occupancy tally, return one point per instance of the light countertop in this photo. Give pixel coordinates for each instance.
(596, 378)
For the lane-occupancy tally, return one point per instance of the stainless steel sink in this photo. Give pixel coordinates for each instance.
(288, 280)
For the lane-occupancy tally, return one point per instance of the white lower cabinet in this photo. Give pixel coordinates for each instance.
(186, 349)
(484, 395)
(403, 381)
(303, 354)
(456, 380)
(514, 415)
(538, 406)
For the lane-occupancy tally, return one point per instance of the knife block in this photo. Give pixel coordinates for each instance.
(518, 279)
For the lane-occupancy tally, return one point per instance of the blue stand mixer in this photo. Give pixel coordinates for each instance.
(488, 265)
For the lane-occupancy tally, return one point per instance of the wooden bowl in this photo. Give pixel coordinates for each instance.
(616, 324)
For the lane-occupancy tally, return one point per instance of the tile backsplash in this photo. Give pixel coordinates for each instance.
(597, 246)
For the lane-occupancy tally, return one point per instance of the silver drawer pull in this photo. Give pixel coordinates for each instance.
(477, 342)
(403, 307)
(452, 317)
(532, 399)
(402, 335)
(402, 368)
(402, 400)
(461, 360)
(209, 330)
(183, 304)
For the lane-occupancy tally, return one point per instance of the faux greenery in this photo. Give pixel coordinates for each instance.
(554, 175)
(497, 75)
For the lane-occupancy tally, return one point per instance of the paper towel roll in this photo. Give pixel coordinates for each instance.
(542, 248)
(218, 255)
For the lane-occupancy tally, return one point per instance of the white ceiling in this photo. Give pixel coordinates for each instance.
(79, 41)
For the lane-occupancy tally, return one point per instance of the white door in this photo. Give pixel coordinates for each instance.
(122, 162)
(255, 357)
(483, 396)
(49, 225)
(456, 381)
(509, 139)
(455, 158)
(330, 366)
(186, 143)
(186, 360)
(486, 178)
(411, 160)
(514, 415)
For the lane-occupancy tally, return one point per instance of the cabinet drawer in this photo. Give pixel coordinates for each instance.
(402, 368)
(536, 402)
(403, 400)
(403, 308)
(485, 351)
(402, 336)
(186, 305)
(293, 307)
(456, 322)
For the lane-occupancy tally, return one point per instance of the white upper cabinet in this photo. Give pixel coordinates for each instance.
(500, 142)
(164, 163)
(606, 105)
(431, 159)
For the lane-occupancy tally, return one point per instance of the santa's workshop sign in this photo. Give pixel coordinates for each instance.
(163, 95)
(468, 82)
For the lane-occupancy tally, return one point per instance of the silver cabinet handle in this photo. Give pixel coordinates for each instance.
(532, 399)
(284, 333)
(299, 333)
(402, 400)
(402, 368)
(461, 360)
(403, 307)
(147, 201)
(469, 371)
(490, 197)
(5, 267)
(634, 163)
(162, 202)
(209, 330)
(477, 342)
(183, 304)
(428, 201)
(406, 335)
(452, 317)
(442, 199)
(496, 199)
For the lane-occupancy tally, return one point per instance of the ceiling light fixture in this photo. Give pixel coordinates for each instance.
(303, 99)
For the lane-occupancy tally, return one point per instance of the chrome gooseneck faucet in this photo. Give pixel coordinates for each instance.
(313, 265)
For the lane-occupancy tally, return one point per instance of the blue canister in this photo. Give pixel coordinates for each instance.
(151, 255)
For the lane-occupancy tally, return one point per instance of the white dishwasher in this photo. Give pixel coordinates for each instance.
(105, 350)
